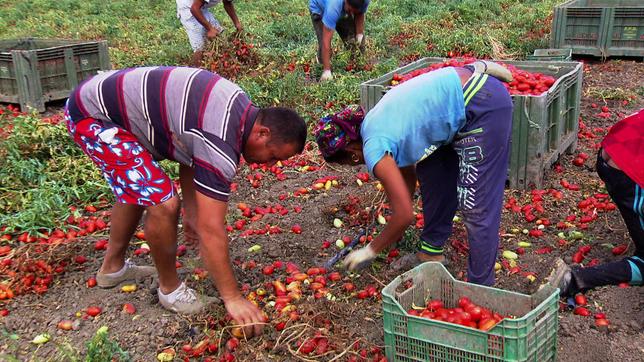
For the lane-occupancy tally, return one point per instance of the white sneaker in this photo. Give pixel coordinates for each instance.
(130, 272)
(185, 300)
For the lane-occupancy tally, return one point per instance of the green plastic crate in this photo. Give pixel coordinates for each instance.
(532, 336)
(35, 71)
(551, 54)
(601, 28)
(543, 127)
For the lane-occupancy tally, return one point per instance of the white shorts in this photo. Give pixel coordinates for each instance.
(196, 31)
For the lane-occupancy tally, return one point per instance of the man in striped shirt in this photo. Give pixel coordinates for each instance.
(125, 120)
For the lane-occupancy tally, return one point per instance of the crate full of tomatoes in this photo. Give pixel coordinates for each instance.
(428, 315)
(467, 313)
(545, 121)
(524, 82)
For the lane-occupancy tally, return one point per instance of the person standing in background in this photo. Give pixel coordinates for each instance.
(200, 24)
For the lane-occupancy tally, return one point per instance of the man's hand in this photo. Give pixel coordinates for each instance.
(247, 314)
(213, 242)
(212, 33)
(360, 259)
(496, 70)
(326, 75)
(359, 39)
(239, 27)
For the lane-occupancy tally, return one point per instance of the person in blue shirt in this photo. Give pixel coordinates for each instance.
(448, 129)
(344, 16)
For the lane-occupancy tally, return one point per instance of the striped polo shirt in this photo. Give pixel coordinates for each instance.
(188, 115)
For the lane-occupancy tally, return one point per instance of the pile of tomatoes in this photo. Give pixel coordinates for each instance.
(466, 314)
(523, 83)
(230, 56)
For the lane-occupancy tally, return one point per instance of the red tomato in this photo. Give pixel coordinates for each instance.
(475, 312)
(442, 313)
(523, 87)
(427, 314)
(486, 324)
(466, 317)
(434, 305)
(93, 311)
(485, 314)
(362, 294)
(581, 300)
(463, 302)
(601, 322)
(619, 249)
(581, 311)
(335, 276)
(578, 257)
(308, 346)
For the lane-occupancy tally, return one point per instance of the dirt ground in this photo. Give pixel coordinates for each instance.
(347, 319)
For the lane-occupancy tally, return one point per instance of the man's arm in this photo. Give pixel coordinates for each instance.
(392, 179)
(327, 34)
(230, 10)
(195, 9)
(359, 21)
(211, 216)
(399, 199)
(409, 174)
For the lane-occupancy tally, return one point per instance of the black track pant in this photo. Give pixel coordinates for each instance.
(629, 198)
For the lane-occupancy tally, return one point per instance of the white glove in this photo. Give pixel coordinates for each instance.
(326, 75)
(496, 70)
(359, 259)
(359, 38)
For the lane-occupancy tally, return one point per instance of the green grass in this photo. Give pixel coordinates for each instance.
(149, 33)
(36, 190)
(42, 173)
(100, 348)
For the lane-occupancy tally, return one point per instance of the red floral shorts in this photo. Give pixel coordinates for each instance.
(130, 170)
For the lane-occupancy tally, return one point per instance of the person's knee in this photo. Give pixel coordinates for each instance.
(473, 215)
(166, 211)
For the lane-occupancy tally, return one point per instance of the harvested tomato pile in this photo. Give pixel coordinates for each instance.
(10, 111)
(39, 260)
(230, 56)
(523, 83)
(467, 314)
(280, 297)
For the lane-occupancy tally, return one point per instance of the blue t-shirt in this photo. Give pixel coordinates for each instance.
(331, 10)
(414, 118)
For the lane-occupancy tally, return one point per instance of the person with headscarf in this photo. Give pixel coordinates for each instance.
(450, 130)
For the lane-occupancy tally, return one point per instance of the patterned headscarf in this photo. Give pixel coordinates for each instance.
(334, 132)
